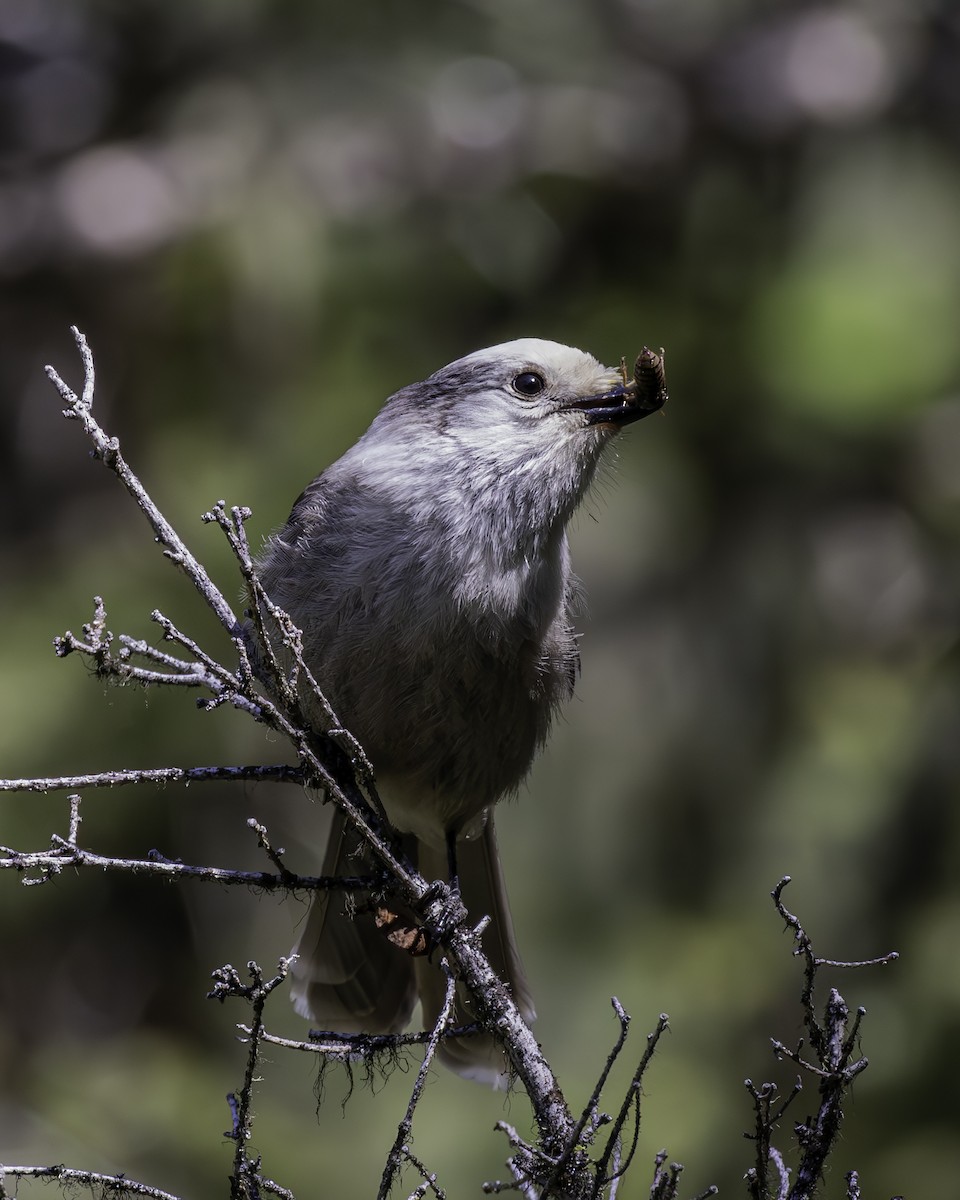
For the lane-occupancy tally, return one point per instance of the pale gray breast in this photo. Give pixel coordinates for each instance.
(452, 692)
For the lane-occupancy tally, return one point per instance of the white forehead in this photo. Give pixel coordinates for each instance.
(552, 358)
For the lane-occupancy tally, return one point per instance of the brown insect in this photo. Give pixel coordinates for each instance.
(649, 382)
(650, 376)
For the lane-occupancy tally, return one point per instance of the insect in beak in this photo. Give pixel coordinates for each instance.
(632, 399)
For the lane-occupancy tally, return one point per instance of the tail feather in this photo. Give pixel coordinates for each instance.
(349, 978)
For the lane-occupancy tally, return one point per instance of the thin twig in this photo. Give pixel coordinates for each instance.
(66, 853)
(363, 1045)
(116, 1185)
(630, 1100)
(73, 829)
(525, 1164)
(766, 1121)
(275, 855)
(265, 774)
(429, 1182)
(783, 1175)
(590, 1108)
(246, 1171)
(395, 1157)
(812, 963)
(833, 1041)
(107, 450)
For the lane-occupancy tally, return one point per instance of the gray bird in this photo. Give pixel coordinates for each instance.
(429, 572)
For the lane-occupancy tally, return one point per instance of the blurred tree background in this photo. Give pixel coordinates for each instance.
(268, 216)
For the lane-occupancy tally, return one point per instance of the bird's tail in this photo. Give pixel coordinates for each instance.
(349, 978)
(484, 893)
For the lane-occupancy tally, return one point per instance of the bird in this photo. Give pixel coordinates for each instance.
(429, 572)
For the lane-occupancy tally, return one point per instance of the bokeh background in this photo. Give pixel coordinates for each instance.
(268, 216)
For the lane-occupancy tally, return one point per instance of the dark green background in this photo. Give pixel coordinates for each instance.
(268, 216)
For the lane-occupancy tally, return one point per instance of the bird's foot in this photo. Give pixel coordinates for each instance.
(443, 907)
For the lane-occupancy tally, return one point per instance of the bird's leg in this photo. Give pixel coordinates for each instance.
(452, 873)
(448, 910)
(453, 879)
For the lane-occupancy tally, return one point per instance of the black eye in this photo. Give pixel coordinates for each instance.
(529, 383)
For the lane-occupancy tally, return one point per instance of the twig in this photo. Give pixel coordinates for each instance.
(73, 829)
(399, 1148)
(783, 1175)
(429, 1182)
(812, 963)
(666, 1181)
(61, 783)
(288, 682)
(816, 1136)
(107, 449)
(66, 853)
(630, 1100)
(590, 1108)
(833, 1041)
(766, 1121)
(246, 1171)
(268, 1185)
(363, 1045)
(275, 855)
(525, 1164)
(116, 1185)
(314, 771)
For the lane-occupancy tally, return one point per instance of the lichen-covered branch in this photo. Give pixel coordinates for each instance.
(829, 1058)
(111, 1185)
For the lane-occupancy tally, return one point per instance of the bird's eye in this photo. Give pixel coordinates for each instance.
(529, 383)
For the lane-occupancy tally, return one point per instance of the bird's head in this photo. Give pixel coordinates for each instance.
(520, 426)
(530, 382)
(521, 399)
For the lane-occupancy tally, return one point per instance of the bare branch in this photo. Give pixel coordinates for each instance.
(832, 1041)
(66, 853)
(116, 1185)
(279, 773)
(286, 682)
(107, 449)
(73, 829)
(367, 1046)
(630, 1100)
(275, 855)
(246, 1178)
(590, 1110)
(813, 963)
(766, 1120)
(429, 1183)
(666, 1180)
(398, 1150)
(526, 1163)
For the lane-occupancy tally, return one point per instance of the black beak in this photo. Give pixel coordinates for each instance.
(620, 406)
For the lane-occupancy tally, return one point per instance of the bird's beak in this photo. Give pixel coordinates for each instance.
(621, 405)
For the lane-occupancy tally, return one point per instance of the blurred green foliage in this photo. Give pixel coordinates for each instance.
(267, 217)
